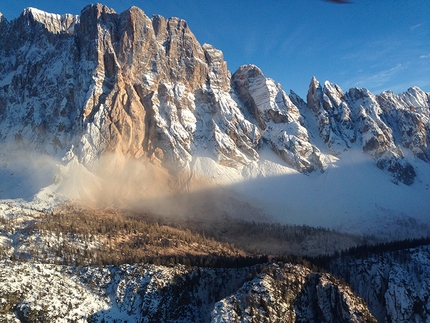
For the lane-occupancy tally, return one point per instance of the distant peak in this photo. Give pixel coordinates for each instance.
(251, 69)
(414, 89)
(99, 8)
(37, 13)
(314, 83)
(33, 11)
(3, 20)
(134, 8)
(55, 23)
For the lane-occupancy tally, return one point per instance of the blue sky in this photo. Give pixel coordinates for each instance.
(377, 44)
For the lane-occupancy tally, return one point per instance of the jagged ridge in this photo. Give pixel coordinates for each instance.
(145, 88)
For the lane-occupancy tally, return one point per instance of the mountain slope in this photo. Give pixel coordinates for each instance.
(394, 283)
(148, 293)
(132, 108)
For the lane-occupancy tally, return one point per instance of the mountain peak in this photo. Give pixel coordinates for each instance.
(3, 22)
(146, 88)
(54, 23)
(98, 8)
(314, 79)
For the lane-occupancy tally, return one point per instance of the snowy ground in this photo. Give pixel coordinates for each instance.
(352, 195)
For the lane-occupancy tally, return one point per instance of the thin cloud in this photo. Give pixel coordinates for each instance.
(415, 27)
(380, 78)
(372, 51)
(425, 56)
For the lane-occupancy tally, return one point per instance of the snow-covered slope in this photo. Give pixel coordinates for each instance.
(394, 284)
(290, 293)
(148, 293)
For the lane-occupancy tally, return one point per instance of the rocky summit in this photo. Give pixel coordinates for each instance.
(145, 88)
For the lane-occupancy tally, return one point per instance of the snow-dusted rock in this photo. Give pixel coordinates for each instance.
(408, 114)
(144, 88)
(356, 118)
(278, 118)
(290, 293)
(148, 293)
(125, 84)
(394, 284)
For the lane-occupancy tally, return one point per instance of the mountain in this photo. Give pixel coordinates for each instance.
(145, 88)
(107, 106)
(126, 112)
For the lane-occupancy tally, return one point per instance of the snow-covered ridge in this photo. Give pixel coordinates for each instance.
(395, 284)
(55, 23)
(161, 294)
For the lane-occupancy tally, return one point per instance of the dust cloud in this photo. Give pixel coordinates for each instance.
(119, 182)
(141, 185)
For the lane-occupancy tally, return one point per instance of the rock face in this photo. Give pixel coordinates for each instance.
(278, 119)
(288, 293)
(122, 83)
(148, 293)
(144, 88)
(394, 284)
(357, 118)
(408, 115)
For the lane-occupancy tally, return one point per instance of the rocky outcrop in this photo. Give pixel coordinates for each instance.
(292, 294)
(333, 115)
(356, 118)
(377, 138)
(394, 284)
(148, 293)
(408, 114)
(4, 24)
(279, 120)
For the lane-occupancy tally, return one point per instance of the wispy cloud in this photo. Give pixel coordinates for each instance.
(415, 27)
(374, 51)
(425, 56)
(380, 78)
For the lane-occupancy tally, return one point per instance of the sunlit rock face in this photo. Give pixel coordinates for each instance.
(144, 88)
(124, 83)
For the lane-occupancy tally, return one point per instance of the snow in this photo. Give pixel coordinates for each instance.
(53, 22)
(352, 195)
(63, 298)
(395, 284)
